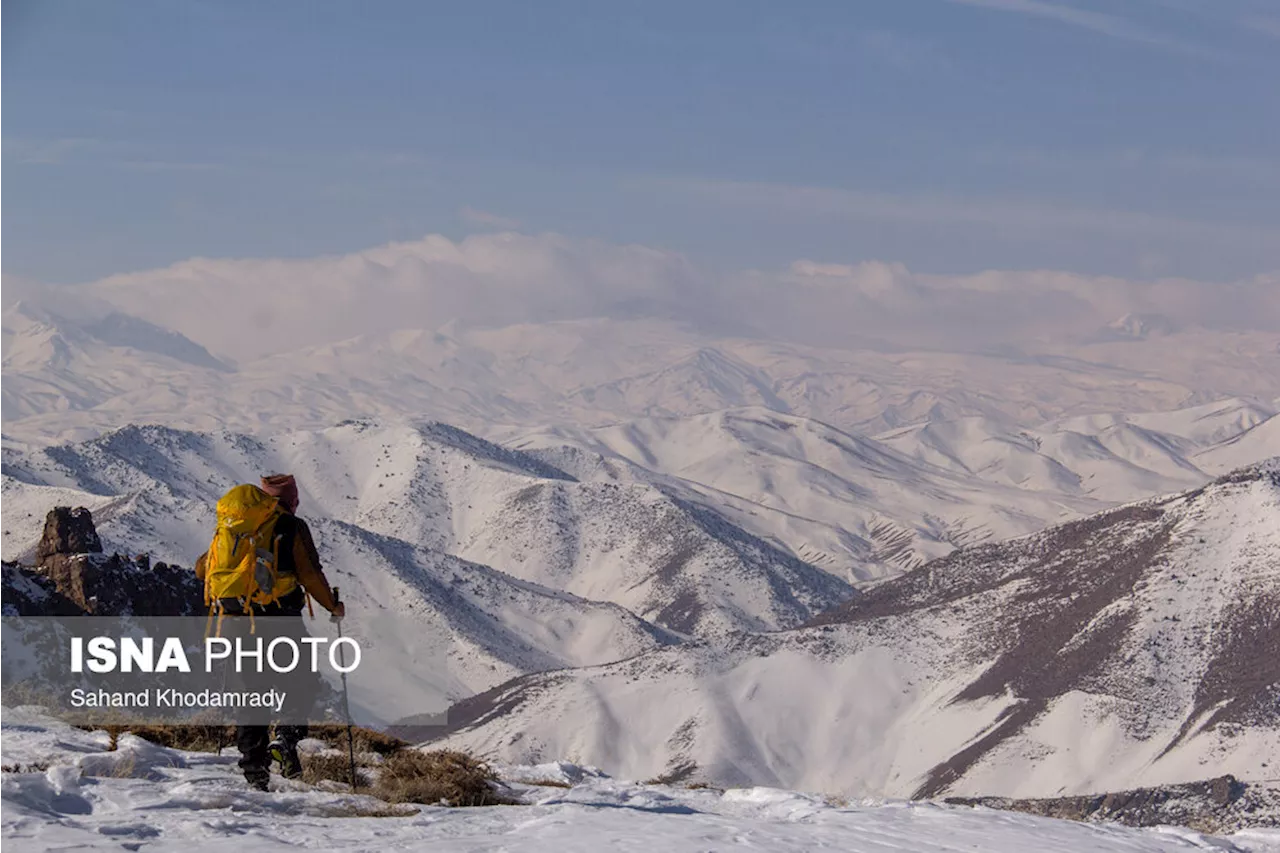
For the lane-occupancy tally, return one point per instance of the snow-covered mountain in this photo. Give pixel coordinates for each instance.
(868, 508)
(1134, 647)
(1102, 456)
(529, 568)
(589, 372)
(59, 363)
(845, 502)
(656, 515)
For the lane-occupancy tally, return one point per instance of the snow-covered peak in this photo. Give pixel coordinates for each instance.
(79, 358)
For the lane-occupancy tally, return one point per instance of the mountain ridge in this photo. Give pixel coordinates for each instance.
(1108, 653)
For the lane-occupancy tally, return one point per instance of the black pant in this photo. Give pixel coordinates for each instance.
(282, 618)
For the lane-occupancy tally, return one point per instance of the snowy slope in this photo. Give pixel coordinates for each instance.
(872, 508)
(1258, 443)
(1052, 460)
(847, 503)
(1108, 457)
(146, 797)
(52, 363)
(1132, 648)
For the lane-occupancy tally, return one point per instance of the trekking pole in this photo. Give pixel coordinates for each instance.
(222, 729)
(346, 704)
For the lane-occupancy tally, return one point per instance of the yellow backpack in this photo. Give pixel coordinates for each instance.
(243, 561)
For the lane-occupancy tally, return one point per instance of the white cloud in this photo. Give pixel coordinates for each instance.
(247, 308)
(251, 307)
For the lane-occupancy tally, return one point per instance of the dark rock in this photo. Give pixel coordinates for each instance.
(118, 586)
(26, 592)
(1223, 804)
(70, 558)
(68, 531)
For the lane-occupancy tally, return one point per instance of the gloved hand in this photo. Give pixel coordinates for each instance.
(339, 610)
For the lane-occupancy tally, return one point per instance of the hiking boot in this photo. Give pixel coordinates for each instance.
(258, 778)
(286, 754)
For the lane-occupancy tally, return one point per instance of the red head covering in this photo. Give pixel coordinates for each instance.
(283, 488)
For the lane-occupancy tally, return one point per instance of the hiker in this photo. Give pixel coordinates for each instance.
(262, 519)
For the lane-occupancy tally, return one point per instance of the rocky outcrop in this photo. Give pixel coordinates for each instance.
(1224, 804)
(26, 592)
(72, 572)
(68, 531)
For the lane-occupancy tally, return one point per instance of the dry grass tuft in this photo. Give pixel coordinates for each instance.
(34, 767)
(332, 768)
(365, 740)
(441, 776)
(191, 737)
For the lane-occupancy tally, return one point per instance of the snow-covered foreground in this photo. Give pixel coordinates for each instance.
(146, 797)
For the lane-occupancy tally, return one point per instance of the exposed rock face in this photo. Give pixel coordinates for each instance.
(1224, 804)
(117, 586)
(28, 593)
(1124, 604)
(68, 531)
(74, 576)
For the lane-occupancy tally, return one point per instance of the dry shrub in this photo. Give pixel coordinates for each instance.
(191, 737)
(365, 740)
(332, 768)
(34, 767)
(440, 776)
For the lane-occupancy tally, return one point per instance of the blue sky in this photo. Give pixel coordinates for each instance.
(1131, 137)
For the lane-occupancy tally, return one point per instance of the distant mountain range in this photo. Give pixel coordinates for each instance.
(71, 379)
